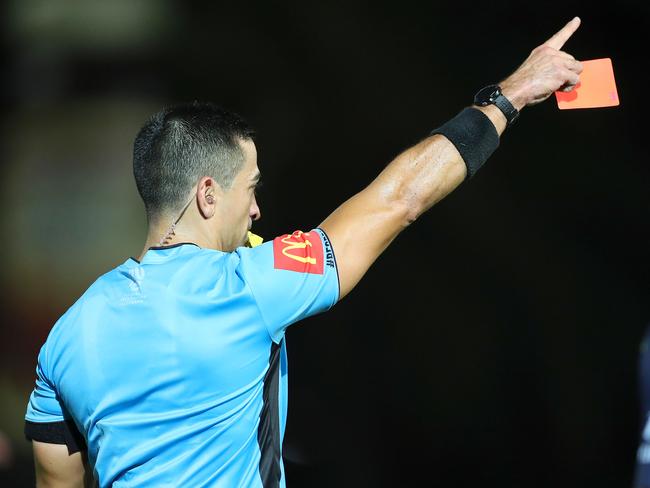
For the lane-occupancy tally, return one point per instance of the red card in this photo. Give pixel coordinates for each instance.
(597, 87)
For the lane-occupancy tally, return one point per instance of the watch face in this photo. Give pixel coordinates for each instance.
(486, 95)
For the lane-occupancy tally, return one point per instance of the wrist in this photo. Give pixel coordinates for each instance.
(492, 95)
(515, 93)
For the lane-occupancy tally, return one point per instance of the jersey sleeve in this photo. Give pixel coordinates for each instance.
(44, 403)
(291, 278)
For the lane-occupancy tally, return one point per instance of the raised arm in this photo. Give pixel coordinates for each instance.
(362, 228)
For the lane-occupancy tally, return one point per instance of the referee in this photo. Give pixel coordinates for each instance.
(170, 370)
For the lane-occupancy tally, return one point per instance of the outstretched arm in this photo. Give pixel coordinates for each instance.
(362, 228)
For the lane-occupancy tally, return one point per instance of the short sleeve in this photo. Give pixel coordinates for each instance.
(44, 403)
(291, 278)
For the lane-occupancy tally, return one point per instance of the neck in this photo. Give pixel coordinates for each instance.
(181, 234)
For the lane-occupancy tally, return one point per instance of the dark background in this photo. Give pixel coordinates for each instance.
(494, 344)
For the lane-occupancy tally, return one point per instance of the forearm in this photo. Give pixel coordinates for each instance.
(363, 227)
(424, 174)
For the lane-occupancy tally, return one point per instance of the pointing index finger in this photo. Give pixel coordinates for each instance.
(562, 36)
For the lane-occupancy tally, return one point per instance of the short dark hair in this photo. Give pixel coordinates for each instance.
(179, 145)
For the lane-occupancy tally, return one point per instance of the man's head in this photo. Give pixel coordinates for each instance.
(201, 151)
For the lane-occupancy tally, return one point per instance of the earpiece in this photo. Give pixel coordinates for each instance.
(209, 199)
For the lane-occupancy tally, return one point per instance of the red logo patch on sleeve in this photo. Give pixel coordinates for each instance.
(300, 251)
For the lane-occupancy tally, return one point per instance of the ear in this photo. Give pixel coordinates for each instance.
(207, 194)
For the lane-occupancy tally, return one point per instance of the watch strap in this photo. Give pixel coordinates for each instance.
(510, 112)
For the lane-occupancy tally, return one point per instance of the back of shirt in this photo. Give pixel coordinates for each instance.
(174, 369)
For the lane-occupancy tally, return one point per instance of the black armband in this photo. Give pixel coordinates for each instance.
(474, 136)
(63, 432)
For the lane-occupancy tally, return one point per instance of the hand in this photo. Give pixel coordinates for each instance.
(545, 71)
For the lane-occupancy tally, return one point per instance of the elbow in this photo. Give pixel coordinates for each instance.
(401, 204)
(412, 215)
(410, 218)
(407, 210)
(414, 201)
(409, 202)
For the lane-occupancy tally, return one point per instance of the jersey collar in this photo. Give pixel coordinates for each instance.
(164, 248)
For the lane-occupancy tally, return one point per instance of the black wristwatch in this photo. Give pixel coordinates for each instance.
(491, 94)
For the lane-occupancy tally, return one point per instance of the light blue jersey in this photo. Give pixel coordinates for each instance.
(174, 368)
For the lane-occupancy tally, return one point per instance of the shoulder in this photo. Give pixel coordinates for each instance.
(90, 302)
